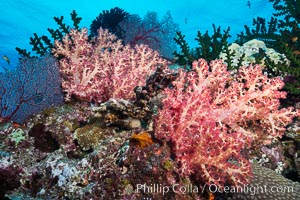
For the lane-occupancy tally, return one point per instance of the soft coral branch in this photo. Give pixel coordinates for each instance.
(211, 117)
(103, 68)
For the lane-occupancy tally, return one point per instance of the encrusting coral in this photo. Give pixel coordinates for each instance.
(89, 136)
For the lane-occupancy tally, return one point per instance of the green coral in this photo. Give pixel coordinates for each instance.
(185, 57)
(17, 136)
(289, 9)
(265, 31)
(209, 47)
(42, 45)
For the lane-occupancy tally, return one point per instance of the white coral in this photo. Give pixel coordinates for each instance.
(249, 49)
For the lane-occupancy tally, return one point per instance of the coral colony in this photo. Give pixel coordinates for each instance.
(211, 117)
(131, 127)
(103, 68)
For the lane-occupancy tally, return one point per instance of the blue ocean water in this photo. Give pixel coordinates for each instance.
(20, 19)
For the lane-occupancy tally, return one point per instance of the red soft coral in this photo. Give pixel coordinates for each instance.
(212, 117)
(103, 68)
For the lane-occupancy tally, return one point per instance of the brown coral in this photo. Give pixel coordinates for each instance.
(89, 136)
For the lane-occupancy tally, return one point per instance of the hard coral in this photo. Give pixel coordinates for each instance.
(263, 183)
(89, 136)
(212, 117)
(103, 68)
(252, 52)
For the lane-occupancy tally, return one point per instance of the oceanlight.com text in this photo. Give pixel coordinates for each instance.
(250, 189)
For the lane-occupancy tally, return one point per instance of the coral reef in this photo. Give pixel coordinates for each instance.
(209, 108)
(115, 168)
(289, 9)
(103, 68)
(131, 128)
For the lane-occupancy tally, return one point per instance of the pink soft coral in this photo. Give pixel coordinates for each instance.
(211, 118)
(103, 68)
